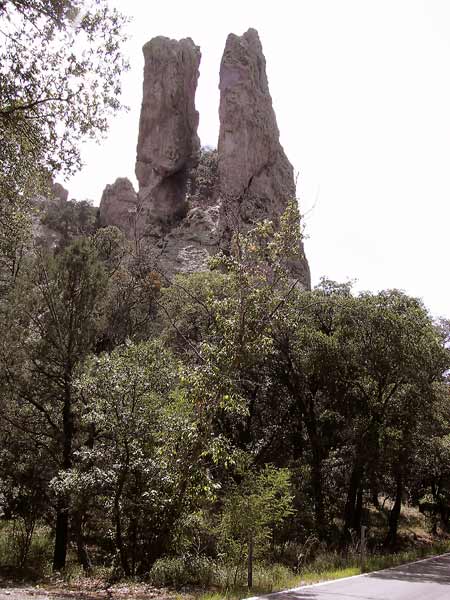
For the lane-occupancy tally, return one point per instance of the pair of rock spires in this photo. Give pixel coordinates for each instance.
(179, 212)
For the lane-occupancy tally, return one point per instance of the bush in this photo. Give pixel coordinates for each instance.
(174, 571)
(202, 571)
(38, 554)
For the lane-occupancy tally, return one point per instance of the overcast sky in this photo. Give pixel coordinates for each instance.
(361, 89)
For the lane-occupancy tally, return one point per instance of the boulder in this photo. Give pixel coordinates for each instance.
(60, 192)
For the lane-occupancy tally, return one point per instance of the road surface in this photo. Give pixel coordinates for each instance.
(427, 579)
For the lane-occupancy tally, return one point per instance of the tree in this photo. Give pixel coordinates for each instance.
(237, 303)
(251, 510)
(358, 372)
(144, 469)
(397, 355)
(53, 326)
(61, 66)
(430, 481)
(308, 364)
(60, 80)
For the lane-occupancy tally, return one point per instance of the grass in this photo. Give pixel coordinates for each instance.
(378, 562)
(265, 582)
(38, 560)
(185, 579)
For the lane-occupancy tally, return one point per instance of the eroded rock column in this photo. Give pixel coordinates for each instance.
(256, 178)
(119, 207)
(168, 143)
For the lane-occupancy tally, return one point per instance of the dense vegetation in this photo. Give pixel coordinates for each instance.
(158, 426)
(176, 428)
(60, 81)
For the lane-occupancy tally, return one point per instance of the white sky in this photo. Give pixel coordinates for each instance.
(361, 89)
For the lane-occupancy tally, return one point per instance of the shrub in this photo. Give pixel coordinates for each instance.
(174, 571)
(38, 553)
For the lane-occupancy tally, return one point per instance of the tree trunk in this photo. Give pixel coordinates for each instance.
(61, 535)
(316, 471)
(391, 539)
(357, 519)
(62, 510)
(350, 510)
(250, 562)
(375, 500)
(132, 536)
(119, 538)
(82, 553)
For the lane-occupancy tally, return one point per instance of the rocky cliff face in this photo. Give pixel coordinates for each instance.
(182, 209)
(168, 143)
(256, 178)
(252, 165)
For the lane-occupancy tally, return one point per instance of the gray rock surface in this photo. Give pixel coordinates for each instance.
(180, 247)
(189, 202)
(59, 191)
(168, 143)
(119, 207)
(256, 178)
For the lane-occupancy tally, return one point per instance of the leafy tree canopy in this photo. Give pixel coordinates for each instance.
(59, 81)
(60, 71)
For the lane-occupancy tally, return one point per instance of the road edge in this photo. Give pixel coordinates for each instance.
(329, 581)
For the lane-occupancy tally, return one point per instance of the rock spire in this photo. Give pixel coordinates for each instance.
(168, 143)
(186, 195)
(256, 177)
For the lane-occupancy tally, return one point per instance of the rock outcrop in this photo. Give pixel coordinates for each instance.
(119, 206)
(186, 246)
(256, 178)
(60, 192)
(252, 162)
(168, 143)
(182, 209)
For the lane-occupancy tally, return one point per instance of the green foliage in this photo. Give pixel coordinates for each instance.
(32, 564)
(222, 320)
(169, 430)
(251, 511)
(70, 218)
(111, 246)
(60, 76)
(203, 179)
(50, 327)
(55, 91)
(143, 466)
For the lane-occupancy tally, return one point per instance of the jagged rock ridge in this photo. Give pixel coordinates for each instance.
(181, 220)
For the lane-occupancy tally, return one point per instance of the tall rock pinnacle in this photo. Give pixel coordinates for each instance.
(181, 214)
(255, 175)
(168, 143)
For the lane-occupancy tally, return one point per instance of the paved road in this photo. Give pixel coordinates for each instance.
(427, 579)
